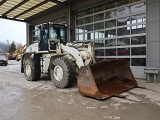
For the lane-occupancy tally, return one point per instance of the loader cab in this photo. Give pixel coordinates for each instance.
(48, 34)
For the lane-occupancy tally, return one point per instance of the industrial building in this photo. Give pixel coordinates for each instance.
(126, 29)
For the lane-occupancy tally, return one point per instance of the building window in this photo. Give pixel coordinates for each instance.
(138, 40)
(89, 19)
(89, 36)
(110, 24)
(99, 43)
(98, 26)
(99, 52)
(99, 17)
(123, 51)
(117, 28)
(110, 33)
(110, 14)
(138, 62)
(80, 21)
(123, 41)
(123, 31)
(110, 52)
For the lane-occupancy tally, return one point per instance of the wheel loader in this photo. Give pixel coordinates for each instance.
(70, 63)
(17, 53)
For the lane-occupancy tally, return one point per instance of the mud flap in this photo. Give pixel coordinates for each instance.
(105, 79)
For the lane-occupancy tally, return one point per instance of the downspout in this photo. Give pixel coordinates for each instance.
(69, 23)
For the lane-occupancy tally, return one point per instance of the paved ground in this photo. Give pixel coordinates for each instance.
(24, 100)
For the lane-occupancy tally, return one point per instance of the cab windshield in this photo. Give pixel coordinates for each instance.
(58, 32)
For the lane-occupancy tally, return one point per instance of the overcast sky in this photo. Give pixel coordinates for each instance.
(12, 31)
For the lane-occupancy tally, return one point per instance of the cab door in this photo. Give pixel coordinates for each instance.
(43, 45)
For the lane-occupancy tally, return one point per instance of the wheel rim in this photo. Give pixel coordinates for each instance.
(58, 73)
(28, 70)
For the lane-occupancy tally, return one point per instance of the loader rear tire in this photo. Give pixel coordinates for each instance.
(63, 72)
(31, 72)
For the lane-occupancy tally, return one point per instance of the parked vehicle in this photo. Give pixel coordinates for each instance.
(3, 60)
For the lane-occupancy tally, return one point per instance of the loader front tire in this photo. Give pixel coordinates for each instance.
(63, 73)
(30, 71)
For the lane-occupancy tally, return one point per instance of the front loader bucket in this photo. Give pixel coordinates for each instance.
(105, 79)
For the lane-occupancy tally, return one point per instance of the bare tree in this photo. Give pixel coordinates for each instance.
(7, 46)
(18, 45)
